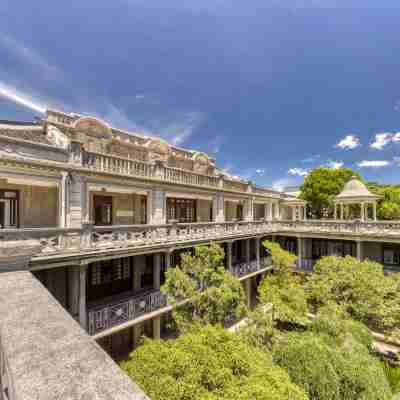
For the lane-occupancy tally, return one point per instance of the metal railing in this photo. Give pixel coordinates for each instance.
(119, 311)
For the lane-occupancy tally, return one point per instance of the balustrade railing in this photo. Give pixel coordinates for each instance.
(245, 268)
(177, 175)
(115, 313)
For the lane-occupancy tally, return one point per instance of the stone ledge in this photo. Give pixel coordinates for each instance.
(46, 353)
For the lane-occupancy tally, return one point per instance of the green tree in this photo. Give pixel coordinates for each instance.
(283, 289)
(332, 372)
(209, 364)
(209, 293)
(362, 288)
(389, 207)
(321, 186)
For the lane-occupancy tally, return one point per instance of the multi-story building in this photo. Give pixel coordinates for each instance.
(98, 215)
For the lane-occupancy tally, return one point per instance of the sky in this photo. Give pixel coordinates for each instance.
(270, 88)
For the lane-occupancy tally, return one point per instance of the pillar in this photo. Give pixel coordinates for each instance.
(359, 250)
(229, 256)
(305, 213)
(335, 212)
(156, 328)
(247, 249)
(168, 258)
(299, 251)
(374, 210)
(257, 245)
(73, 291)
(249, 209)
(62, 200)
(247, 289)
(82, 296)
(138, 264)
(218, 208)
(136, 335)
(78, 202)
(293, 208)
(156, 271)
(341, 211)
(156, 207)
(362, 211)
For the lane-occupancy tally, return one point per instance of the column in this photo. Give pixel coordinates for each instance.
(156, 271)
(277, 211)
(138, 264)
(168, 258)
(247, 289)
(156, 207)
(229, 256)
(293, 208)
(248, 209)
(78, 202)
(62, 200)
(218, 208)
(257, 244)
(156, 328)
(247, 250)
(374, 210)
(82, 297)
(73, 291)
(359, 250)
(335, 212)
(300, 252)
(136, 335)
(341, 210)
(362, 211)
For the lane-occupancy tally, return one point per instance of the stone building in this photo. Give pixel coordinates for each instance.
(98, 214)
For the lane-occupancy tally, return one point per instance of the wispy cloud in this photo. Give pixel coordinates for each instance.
(260, 171)
(349, 142)
(24, 99)
(297, 172)
(280, 184)
(334, 164)
(311, 159)
(381, 140)
(28, 55)
(374, 163)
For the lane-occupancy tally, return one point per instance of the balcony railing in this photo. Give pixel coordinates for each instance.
(177, 175)
(115, 313)
(306, 264)
(246, 268)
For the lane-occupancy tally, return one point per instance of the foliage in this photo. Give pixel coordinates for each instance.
(389, 207)
(366, 294)
(209, 364)
(214, 295)
(393, 376)
(327, 371)
(282, 289)
(321, 186)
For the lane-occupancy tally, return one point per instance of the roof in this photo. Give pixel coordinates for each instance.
(23, 131)
(354, 189)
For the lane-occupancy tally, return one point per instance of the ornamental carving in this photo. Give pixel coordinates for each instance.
(56, 137)
(93, 127)
(158, 149)
(202, 163)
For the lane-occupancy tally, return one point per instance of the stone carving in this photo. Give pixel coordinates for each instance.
(55, 136)
(93, 127)
(159, 149)
(26, 152)
(201, 163)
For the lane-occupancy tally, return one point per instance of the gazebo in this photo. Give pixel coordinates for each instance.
(356, 193)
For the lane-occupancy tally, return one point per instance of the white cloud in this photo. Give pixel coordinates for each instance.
(334, 164)
(396, 137)
(280, 184)
(381, 140)
(297, 171)
(11, 93)
(260, 171)
(29, 56)
(349, 142)
(374, 163)
(311, 159)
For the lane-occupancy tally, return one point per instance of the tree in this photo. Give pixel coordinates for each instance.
(283, 289)
(362, 288)
(209, 364)
(321, 186)
(389, 207)
(332, 372)
(211, 295)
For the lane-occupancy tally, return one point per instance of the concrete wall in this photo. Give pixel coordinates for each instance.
(38, 206)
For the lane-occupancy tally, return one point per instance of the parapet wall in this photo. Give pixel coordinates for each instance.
(44, 353)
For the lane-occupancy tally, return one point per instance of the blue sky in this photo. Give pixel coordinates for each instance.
(271, 88)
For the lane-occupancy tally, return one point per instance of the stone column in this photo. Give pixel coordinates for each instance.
(78, 202)
(277, 211)
(138, 263)
(168, 258)
(374, 210)
(156, 328)
(62, 200)
(305, 213)
(218, 208)
(293, 208)
(247, 250)
(362, 211)
(300, 251)
(335, 212)
(82, 297)
(341, 211)
(73, 290)
(247, 289)
(359, 252)
(136, 335)
(156, 207)
(229, 256)
(156, 271)
(249, 209)
(257, 244)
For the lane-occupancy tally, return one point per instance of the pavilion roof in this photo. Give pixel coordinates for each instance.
(354, 189)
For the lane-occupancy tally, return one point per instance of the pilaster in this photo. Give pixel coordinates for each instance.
(156, 207)
(78, 207)
(82, 297)
(218, 208)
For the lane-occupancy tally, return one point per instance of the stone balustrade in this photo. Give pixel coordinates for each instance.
(116, 312)
(245, 268)
(177, 175)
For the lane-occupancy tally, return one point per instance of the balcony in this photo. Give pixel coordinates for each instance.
(246, 268)
(123, 309)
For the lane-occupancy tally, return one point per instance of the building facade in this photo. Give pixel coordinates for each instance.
(99, 214)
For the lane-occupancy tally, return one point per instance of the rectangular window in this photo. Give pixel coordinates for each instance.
(182, 210)
(9, 204)
(102, 210)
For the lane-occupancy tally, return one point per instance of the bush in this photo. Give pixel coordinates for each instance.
(209, 364)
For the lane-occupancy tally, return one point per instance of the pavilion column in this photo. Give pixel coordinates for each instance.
(341, 211)
(293, 208)
(305, 213)
(362, 211)
(374, 210)
(335, 212)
